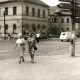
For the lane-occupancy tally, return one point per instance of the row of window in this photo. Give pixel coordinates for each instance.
(27, 11)
(33, 12)
(56, 20)
(6, 28)
(25, 27)
(14, 10)
(64, 29)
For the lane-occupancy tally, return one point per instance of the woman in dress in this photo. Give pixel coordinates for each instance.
(20, 43)
(31, 46)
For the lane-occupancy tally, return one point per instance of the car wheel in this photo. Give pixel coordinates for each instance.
(68, 40)
(61, 40)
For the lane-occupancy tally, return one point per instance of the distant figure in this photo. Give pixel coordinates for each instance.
(37, 37)
(21, 47)
(32, 47)
(9, 36)
(3, 36)
(50, 35)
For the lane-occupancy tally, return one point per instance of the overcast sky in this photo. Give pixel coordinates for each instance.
(51, 2)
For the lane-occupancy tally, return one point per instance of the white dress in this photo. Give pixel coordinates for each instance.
(21, 46)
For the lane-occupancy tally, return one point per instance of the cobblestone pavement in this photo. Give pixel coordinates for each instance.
(57, 67)
(52, 62)
(45, 48)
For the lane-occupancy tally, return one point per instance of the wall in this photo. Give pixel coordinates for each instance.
(11, 19)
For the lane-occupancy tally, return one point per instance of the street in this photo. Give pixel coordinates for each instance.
(45, 48)
(52, 62)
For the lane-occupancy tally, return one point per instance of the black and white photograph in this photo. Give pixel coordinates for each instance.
(39, 39)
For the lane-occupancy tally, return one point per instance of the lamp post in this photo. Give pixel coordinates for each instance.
(73, 28)
(4, 26)
(22, 18)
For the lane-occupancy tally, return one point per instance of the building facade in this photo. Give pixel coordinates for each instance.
(62, 23)
(23, 17)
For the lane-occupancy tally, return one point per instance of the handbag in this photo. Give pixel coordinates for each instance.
(35, 48)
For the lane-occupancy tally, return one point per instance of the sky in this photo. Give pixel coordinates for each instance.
(51, 2)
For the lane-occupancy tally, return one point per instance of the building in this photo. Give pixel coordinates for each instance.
(23, 16)
(61, 22)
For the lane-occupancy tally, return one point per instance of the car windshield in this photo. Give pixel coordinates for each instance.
(63, 34)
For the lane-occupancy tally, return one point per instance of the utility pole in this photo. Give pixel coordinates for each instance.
(50, 20)
(4, 27)
(73, 12)
(22, 18)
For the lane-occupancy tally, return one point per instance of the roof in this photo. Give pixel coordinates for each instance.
(37, 2)
(54, 9)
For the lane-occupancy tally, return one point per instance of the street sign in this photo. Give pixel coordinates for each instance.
(77, 14)
(68, 13)
(77, 20)
(77, 8)
(66, 0)
(65, 6)
(68, 6)
(65, 12)
(76, 1)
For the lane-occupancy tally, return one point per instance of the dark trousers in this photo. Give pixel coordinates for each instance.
(37, 39)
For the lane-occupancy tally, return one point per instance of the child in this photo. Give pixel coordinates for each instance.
(20, 43)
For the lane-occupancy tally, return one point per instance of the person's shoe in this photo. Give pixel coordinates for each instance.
(19, 62)
(23, 60)
(32, 61)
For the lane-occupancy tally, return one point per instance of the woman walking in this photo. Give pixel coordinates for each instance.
(31, 47)
(20, 43)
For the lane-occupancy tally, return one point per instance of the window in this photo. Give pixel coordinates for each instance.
(14, 11)
(62, 29)
(67, 29)
(67, 20)
(0, 27)
(6, 27)
(33, 27)
(27, 26)
(38, 26)
(27, 10)
(43, 26)
(0, 11)
(6, 10)
(52, 20)
(62, 20)
(55, 20)
(43, 13)
(14, 28)
(33, 11)
(38, 12)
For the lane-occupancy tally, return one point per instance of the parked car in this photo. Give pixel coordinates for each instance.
(65, 36)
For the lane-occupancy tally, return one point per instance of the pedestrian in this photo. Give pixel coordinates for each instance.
(32, 46)
(37, 37)
(20, 43)
(9, 36)
(3, 36)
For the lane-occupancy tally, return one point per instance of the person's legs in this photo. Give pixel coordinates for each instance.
(38, 40)
(20, 60)
(32, 58)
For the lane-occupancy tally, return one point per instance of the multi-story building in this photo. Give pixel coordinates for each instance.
(63, 22)
(23, 16)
